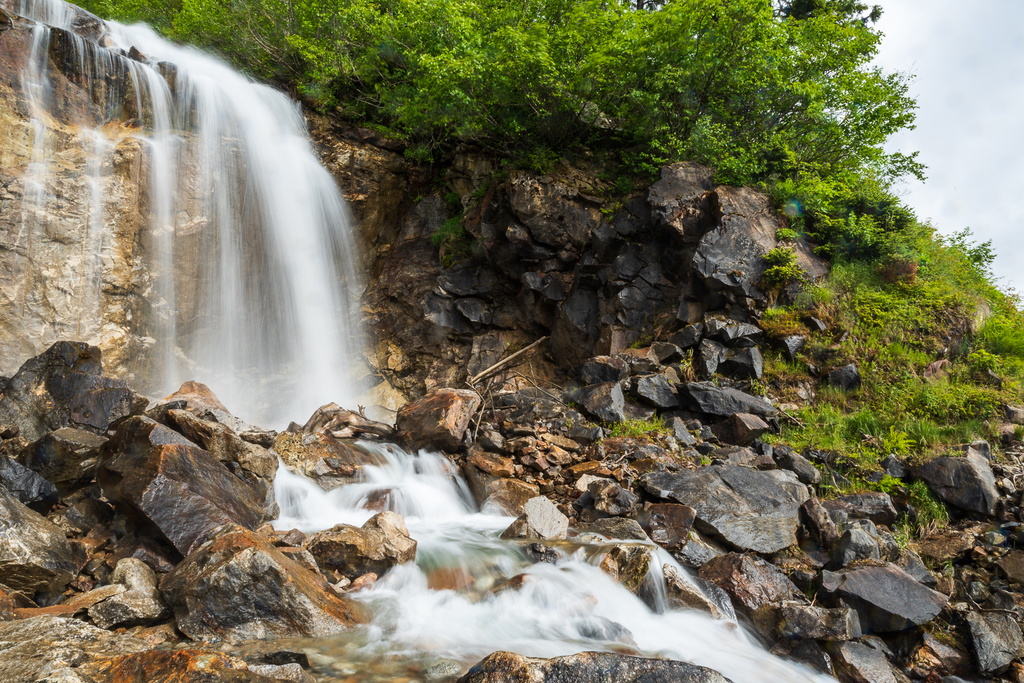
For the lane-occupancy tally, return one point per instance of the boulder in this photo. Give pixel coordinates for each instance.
(50, 648)
(854, 544)
(873, 505)
(750, 582)
(603, 401)
(685, 592)
(63, 387)
(995, 640)
(744, 363)
(34, 554)
(788, 459)
(724, 401)
(628, 565)
(863, 662)
(438, 420)
(886, 597)
(173, 484)
(655, 390)
(612, 499)
(798, 620)
(601, 369)
(27, 486)
(792, 345)
(741, 429)
(967, 483)
(183, 665)
(749, 509)
(223, 443)
(237, 586)
(586, 667)
(709, 356)
(846, 378)
(380, 544)
(668, 524)
(540, 519)
(139, 604)
(618, 527)
(67, 457)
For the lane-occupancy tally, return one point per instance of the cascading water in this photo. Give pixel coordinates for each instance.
(253, 287)
(445, 606)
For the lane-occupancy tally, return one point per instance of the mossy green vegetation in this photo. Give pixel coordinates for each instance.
(637, 428)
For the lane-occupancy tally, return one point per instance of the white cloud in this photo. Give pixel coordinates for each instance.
(968, 62)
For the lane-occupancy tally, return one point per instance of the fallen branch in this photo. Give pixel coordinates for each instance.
(504, 363)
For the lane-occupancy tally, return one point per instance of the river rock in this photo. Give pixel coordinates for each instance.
(438, 420)
(63, 387)
(178, 487)
(686, 592)
(603, 401)
(612, 499)
(586, 667)
(725, 401)
(750, 581)
(995, 640)
(50, 648)
(886, 598)
(798, 620)
(27, 486)
(380, 544)
(668, 524)
(627, 564)
(863, 662)
(140, 604)
(238, 586)
(618, 527)
(176, 666)
(67, 457)
(967, 483)
(34, 554)
(750, 509)
(540, 519)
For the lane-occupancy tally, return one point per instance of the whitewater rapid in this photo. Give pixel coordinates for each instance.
(564, 608)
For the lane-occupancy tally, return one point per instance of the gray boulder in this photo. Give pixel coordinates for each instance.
(995, 640)
(603, 401)
(67, 457)
(27, 486)
(886, 598)
(967, 483)
(724, 401)
(540, 519)
(749, 509)
(846, 378)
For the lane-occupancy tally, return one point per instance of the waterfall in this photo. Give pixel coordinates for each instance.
(247, 247)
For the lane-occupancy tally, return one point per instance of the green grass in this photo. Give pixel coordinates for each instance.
(637, 428)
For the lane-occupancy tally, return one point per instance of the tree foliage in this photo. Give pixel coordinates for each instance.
(764, 91)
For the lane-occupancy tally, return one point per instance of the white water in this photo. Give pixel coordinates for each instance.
(248, 239)
(561, 609)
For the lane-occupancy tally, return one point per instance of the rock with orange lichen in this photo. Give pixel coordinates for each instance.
(237, 586)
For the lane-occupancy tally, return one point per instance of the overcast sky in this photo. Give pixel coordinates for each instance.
(967, 59)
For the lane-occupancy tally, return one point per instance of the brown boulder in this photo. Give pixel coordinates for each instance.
(237, 586)
(750, 581)
(586, 667)
(438, 420)
(175, 485)
(381, 543)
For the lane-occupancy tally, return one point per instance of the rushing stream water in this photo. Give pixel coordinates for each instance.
(443, 608)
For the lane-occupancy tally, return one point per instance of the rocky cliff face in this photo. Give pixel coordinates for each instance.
(562, 256)
(68, 268)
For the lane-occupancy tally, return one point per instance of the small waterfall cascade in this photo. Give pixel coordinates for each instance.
(245, 260)
(453, 603)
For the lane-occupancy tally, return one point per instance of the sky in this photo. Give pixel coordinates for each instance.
(967, 59)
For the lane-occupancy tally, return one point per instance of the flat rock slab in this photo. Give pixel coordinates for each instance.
(724, 401)
(887, 598)
(749, 509)
(862, 663)
(587, 667)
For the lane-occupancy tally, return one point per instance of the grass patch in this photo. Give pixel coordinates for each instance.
(637, 428)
